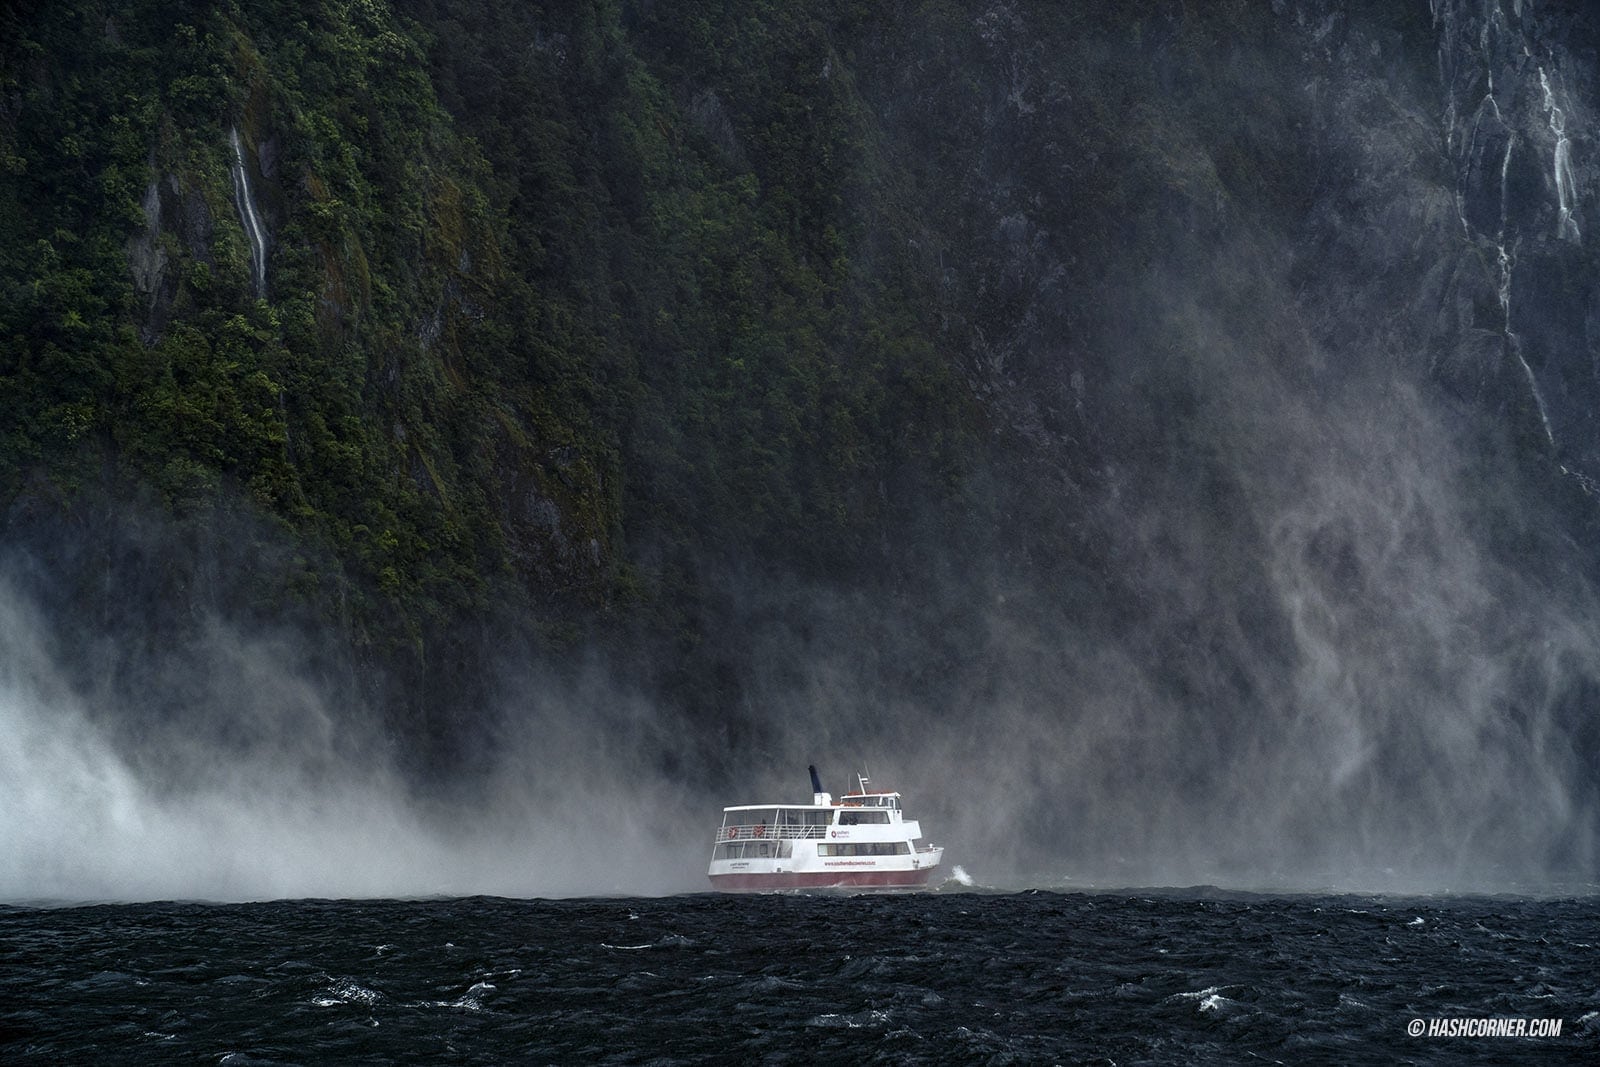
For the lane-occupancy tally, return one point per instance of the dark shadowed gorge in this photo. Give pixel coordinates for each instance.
(1157, 437)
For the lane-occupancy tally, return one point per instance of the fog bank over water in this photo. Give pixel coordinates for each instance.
(272, 799)
(1070, 767)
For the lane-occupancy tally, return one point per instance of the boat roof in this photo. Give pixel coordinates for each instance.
(814, 807)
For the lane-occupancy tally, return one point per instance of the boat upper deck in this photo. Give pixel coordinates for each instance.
(862, 811)
(849, 800)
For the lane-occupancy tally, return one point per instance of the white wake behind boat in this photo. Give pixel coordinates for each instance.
(860, 841)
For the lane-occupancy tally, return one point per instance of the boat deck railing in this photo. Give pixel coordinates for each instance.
(771, 832)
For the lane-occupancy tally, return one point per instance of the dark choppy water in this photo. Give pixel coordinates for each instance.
(962, 978)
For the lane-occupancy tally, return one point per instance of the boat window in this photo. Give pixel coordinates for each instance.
(801, 817)
(862, 818)
(864, 848)
(759, 817)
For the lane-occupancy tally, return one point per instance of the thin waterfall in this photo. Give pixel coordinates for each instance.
(254, 232)
(1478, 40)
(1568, 226)
(1507, 262)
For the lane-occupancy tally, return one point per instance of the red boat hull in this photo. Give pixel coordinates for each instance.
(760, 882)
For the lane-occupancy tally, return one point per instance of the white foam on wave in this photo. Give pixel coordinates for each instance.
(856, 1021)
(346, 991)
(1209, 999)
(666, 941)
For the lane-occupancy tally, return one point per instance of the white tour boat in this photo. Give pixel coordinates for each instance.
(860, 841)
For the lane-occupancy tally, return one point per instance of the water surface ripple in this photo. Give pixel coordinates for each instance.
(1037, 977)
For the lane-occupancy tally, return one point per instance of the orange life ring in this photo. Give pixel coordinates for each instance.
(761, 830)
(732, 833)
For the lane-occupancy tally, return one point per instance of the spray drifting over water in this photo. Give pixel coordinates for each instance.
(273, 803)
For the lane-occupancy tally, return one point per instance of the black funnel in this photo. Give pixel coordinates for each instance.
(816, 783)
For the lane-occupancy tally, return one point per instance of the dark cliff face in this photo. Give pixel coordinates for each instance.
(1280, 545)
(1183, 414)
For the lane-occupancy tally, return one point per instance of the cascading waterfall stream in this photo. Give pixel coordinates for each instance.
(1567, 228)
(1473, 45)
(1506, 261)
(254, 232)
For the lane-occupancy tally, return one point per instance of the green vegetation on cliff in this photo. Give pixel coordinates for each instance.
(548, 317)
(580, 321)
